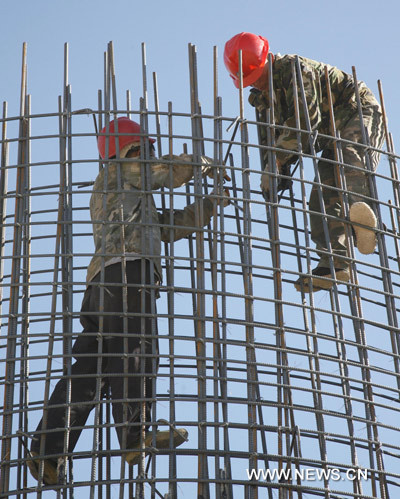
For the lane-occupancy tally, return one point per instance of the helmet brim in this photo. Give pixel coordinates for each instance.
(249, 79)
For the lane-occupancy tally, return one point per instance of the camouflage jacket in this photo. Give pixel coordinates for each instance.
(313, 74)
(124, 216)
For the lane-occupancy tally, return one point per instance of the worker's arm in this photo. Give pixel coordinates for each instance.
(169, 171)
(175, 171)
(181, 223)
(288, 138)
(285, 114)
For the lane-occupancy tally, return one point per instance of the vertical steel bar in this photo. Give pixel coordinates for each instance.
(147, 166)
(53, 313)
(284, 397)
(123, 265)
(26, 291)
(386, 278)
(101, 283)
(296, 67)
(257, 386)
(203, 490)
(313, 356)
(66, 258)
(251, 369)
(3, 198)
(222, 352)
(12, 333)
(169, 269)
(104, 432)
(219, 371)
(340, 182)
(3, 205)
(395, 339)
(213, 250)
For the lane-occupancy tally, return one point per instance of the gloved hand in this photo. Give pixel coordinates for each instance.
(258, 100)
(221, 192)
(209, 167)
(283, 183)
(211, 171)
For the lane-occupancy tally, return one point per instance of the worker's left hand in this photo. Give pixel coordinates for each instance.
(264, 184)
(209, 167)
(265, 179)
(224, 193)
(282, 183)
(225, 176)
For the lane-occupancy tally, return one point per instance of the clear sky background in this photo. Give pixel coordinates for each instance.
(364, 34)
(341, 33)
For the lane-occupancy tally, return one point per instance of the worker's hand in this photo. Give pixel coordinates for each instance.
(222, 192)
(282, 183)
(257, 99)
(209, 167)
(225, 176)
(265, 185)
(265, 180)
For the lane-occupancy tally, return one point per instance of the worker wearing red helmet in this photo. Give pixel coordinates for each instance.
(128, 231)
(256, 73)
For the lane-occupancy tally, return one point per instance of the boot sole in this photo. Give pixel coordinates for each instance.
(320, 283)
(162, 442)
(50, 476)
(361, 213)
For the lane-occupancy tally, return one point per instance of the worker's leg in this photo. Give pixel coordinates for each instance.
(357, 175)
(129, 391)
(81, 386)
(333, 209)
(322, 276)
(357, 178)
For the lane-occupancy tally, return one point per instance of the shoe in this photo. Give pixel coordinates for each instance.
(321, 279)
(361, 213)
(50, 475)
(162, 442)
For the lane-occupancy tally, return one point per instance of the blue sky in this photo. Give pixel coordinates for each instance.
(363, 34)
(343, 33)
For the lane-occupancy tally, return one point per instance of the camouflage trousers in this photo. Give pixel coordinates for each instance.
(357, 181)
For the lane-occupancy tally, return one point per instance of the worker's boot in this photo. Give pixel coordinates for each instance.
(361, 213)
(162, 442)
(321, 279)
(50, 476)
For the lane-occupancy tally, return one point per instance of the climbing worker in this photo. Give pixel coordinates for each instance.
(118, 308)
(256, 73)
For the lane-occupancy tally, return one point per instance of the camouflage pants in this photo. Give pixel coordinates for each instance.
(357, 182)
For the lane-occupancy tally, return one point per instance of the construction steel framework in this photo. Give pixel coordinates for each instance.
(266, 379)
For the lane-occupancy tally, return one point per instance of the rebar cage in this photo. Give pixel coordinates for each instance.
(283, 393)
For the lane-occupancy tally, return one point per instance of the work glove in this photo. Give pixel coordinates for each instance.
(225, 176)
(209, 166)
(282, 183)
(224, 193)
(258, 100)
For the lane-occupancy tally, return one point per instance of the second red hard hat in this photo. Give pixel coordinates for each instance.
(254, 56)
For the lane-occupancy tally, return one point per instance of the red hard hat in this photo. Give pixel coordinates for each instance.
(125, 126)
(254, 56)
